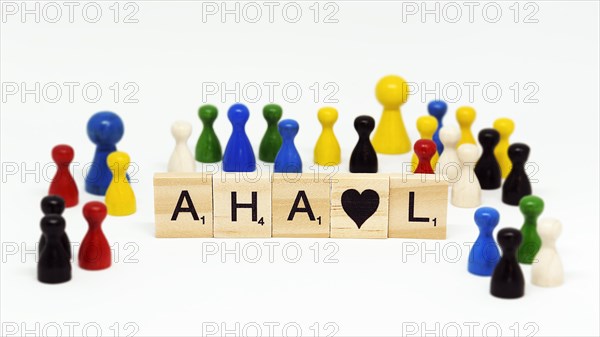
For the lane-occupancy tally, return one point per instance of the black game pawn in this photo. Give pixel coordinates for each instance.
(54, 204)
(517, 184)
(364, 157)
(54, 266)
(507, 279)
(487, 168)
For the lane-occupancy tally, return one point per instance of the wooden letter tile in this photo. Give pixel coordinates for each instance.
(359, 206)
(242, 205)
(418, 206)
(183, 205)
(300, 206)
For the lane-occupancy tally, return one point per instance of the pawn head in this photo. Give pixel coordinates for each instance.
(424, 149)
(465, 115)
(105, 128)
(505, 126)
(63, 154)
(449, 135)
(392, 91)
(364, 125)
(531, 205)
(509, 239)
(238, 114)
(427, 126)
(53, 225)
(118, 160)
(488, 137)
(437, 109)
(208, 113)
(327, 116)
(53, 204)
(272, 113)
(518, 153)
(94, 212)
(487, 218)
(468, 153)
(181, 130)
(549, 229)
(288, 128)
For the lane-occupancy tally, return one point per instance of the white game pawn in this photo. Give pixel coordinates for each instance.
(547, 269)
(466, 192)
(182, 159)
(449, 164)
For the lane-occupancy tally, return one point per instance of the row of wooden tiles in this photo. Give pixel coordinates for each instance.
(342, 206)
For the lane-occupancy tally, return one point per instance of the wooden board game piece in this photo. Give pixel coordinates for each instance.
(359, 206)
(242, 205)
(418, 206)
(300, 206)
(183, 205)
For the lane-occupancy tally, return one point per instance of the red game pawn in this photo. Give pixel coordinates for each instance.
(63, 183)
(94, 253)
(424, 149)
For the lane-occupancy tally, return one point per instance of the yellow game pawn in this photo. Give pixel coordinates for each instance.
(426, 125)
(391, 137)
(465, 115)
(505, 127)
(327, 149)
(120, 199)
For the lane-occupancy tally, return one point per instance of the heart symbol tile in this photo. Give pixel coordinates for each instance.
(360, 206)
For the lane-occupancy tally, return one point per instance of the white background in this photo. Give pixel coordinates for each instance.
(376, 287)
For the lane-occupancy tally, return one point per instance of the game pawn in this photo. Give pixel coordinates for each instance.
(505, 127)
(465, 115)
(507, 279)
(547, 271)
(181, 159)
(517, 184)
(364, 157)
(105, 129)
(426, 125)
(94, 253)
(487, 168)
(531, 207)
(288, 159)
(238, 156)
(120, 200)
(54, 265)
(327, 150)
(208, 147)
(466, 192)
(438, 110)
(54, 204)
(484, 254)
(271, 141)
(63, 183)
(449, 165)
(391, 137)
(424, 149)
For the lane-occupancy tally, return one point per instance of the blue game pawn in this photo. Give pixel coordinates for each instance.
(438, 109)
(485, 254)
(288, 159)
(105, 129)
(238, 156)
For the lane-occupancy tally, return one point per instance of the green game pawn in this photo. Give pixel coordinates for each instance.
(271, 142)
(531, 207)
(208, 148)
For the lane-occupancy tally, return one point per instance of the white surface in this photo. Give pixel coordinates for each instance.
(376, 287)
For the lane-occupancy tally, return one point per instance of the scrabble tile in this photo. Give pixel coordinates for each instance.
(309, 194)
(359, 206)
(183, 205)
(251, 192)
(418, 206)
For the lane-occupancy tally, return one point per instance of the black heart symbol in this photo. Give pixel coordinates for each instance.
(360, 206)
